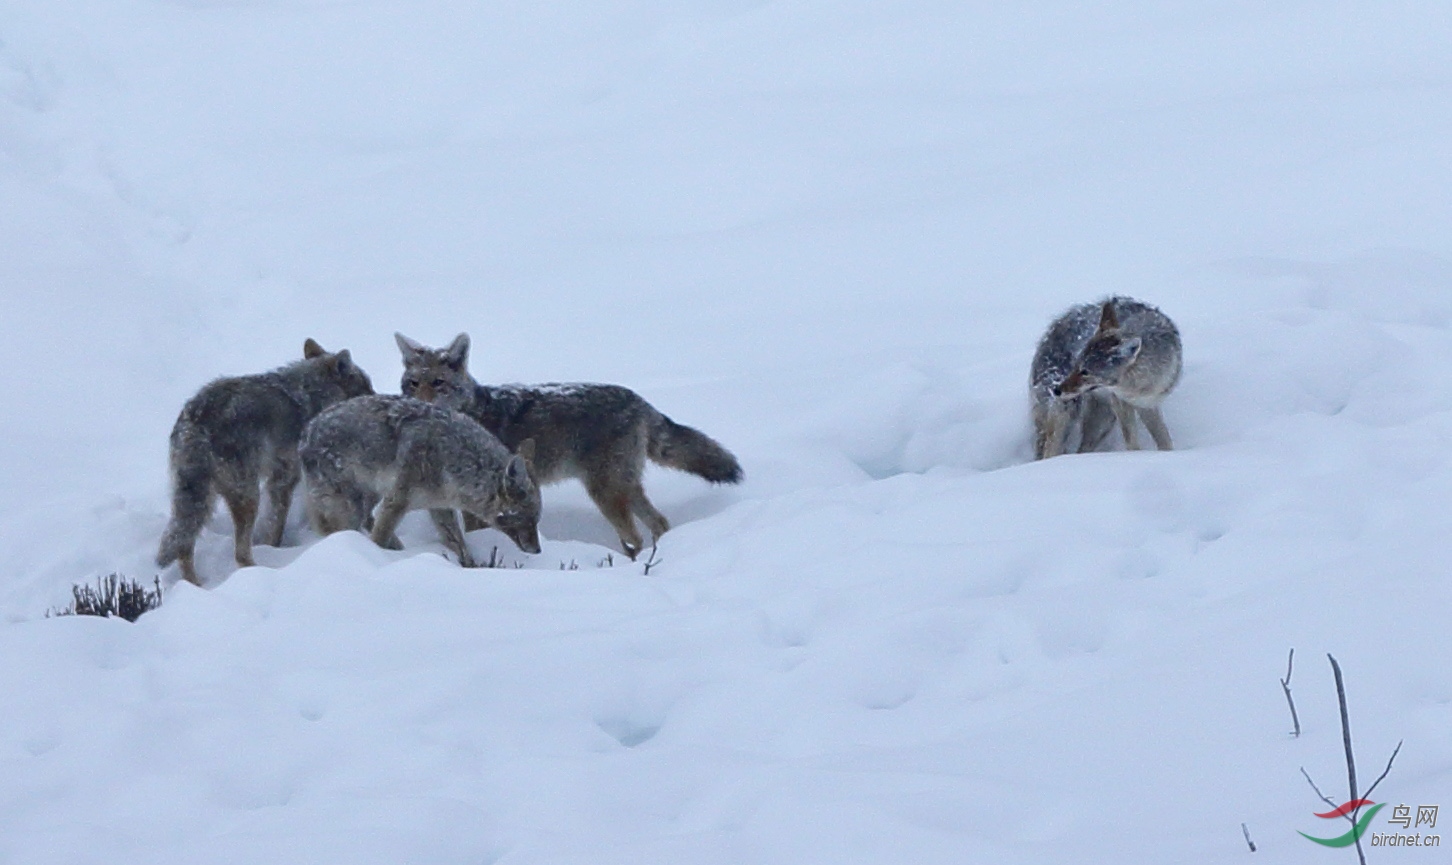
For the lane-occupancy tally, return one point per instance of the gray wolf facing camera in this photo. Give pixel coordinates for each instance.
(1117, 359)
(601, 434)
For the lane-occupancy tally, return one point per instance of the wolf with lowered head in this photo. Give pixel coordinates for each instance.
(237, 431)
(599, 433)
(400, 454)
(1098, 362)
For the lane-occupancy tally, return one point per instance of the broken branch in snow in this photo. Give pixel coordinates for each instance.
(1286, 686)
(650, 560)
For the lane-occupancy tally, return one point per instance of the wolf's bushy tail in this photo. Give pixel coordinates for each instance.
(191, 491)
(690, 450)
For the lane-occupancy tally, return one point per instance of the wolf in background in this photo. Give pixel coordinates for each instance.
(237, 431)
(1117, 359)
(601, 434)
(402, 454)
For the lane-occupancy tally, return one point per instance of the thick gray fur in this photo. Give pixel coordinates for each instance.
(1098, 362)
(237, 431)
(402, 454)
(599, 433)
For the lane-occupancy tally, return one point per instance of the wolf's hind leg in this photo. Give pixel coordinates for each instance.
(187, 563)
(280, 486)
(614, 501)
(190, 510)
(654, 520)
(329, 510)
(243, 505)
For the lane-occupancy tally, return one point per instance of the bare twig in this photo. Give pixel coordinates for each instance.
(1247, 837)
(1367, 794)
(1345, 727)
(1322, 796)
(1286, 686)
(651, 560)
(1362, 799)
(1350, 758)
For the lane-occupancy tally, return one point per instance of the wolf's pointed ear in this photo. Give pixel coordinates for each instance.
(407, 346)
(526, 450)
(457, 354)
(1129, 349)
(343, 360)
(1107, 319)
(311, 349)
(516, 477)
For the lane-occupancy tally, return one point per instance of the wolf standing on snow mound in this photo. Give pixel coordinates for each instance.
(1100, 361)
(237, 430)
(408, 454)
(599, 433)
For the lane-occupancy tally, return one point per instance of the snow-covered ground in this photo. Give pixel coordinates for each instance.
(828, 234)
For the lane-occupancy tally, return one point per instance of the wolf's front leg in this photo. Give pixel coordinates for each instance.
(1128, 422)
(1155, 423)
(448, 524)
(1052, 421)
(387, 519)
(1098, 420)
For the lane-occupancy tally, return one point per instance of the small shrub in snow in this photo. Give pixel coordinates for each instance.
(572, 565)
(497, 561)
(112, 596)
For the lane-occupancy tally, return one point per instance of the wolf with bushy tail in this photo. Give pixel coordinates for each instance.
(237, 431)
(599, 433)
(1098, 362)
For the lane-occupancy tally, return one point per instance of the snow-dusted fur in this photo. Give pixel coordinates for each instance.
(598, 433)
(237, 431)
(403, 454)
(1118, 358)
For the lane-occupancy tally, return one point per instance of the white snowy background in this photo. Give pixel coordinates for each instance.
(828, 234)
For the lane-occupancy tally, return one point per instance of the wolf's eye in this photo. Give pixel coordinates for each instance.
(411, 383)
(438, 382)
